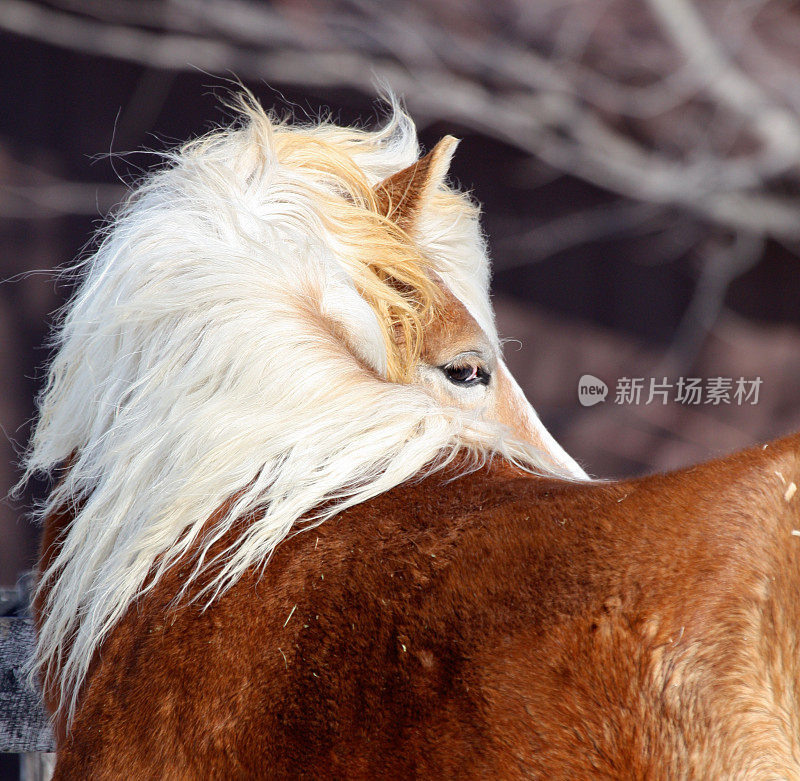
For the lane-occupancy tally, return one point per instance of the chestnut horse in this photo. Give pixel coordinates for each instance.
(306, 524)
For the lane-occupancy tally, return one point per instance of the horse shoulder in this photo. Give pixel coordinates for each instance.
(681, 657)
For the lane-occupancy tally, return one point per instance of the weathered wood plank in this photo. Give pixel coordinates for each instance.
(37, 767)
(24, 726)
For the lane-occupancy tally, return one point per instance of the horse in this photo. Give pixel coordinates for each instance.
(305, 524)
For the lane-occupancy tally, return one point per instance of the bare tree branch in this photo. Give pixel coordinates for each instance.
(557, 84)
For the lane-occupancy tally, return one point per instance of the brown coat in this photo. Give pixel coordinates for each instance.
(494, 626)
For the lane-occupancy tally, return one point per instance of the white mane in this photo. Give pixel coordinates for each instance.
(192, 370)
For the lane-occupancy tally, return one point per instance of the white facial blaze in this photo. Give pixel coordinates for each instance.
(529, 421)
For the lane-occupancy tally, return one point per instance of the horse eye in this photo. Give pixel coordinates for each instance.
(466, 374)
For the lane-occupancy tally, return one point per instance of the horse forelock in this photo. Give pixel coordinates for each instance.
(200, 366)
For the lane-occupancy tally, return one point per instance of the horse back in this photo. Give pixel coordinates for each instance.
(494, 624)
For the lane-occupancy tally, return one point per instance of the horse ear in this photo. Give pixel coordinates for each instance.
(401, 196)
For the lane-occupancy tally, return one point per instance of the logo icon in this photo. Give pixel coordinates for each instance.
(591, 390)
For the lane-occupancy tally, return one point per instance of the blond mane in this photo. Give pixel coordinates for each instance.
(244, 334)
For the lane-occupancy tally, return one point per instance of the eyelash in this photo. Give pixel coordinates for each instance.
(466, 375)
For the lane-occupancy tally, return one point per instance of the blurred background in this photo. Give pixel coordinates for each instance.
(637, 162)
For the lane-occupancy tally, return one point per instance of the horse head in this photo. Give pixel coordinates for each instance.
(283, 321)
(460, 359)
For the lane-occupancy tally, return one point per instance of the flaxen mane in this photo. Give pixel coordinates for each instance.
(200, 365)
